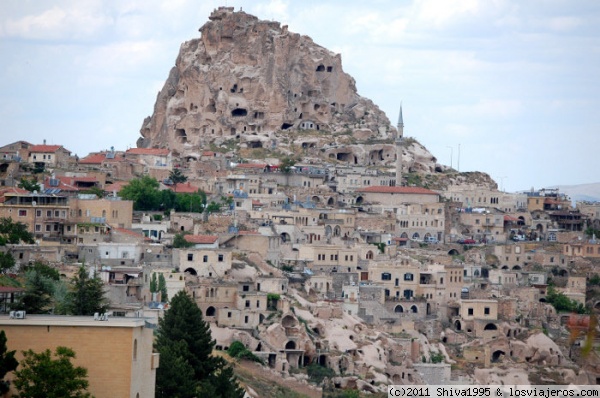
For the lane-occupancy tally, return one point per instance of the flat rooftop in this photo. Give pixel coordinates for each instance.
(64, 320)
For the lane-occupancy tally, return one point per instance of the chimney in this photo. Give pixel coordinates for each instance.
(44, 141)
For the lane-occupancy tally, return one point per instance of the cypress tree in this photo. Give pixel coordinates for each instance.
(185, 340)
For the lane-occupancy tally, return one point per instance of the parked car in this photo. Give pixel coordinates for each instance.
(431, 239)
(466, 241)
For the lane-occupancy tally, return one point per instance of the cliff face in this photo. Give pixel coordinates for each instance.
(247, 79)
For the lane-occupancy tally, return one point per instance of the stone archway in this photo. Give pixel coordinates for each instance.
(211, 311)
(398, 309)
(490, 326)
(191, 271)
(290, 345)
(457, 325)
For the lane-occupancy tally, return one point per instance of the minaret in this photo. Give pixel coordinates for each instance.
(400, 128)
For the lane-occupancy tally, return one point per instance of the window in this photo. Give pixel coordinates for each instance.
(486, 311)
(247, 303)
(22, 213)
(257, 303)
(229, 314)
(220, 258)
(386, 276)
(38, 227)
(190, 257)
(205, 259)
(48, 228)
(38, 213)
(408, 277)
(245, 288)
(470, 311)
(56, 213)
(246, 319)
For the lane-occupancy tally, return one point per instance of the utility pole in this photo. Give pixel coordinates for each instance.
(458, 161)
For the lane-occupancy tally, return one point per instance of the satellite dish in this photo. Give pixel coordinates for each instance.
(34, 203)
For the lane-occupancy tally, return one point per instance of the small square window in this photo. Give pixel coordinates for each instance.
(220, 258)
(486, 310)
(470, 311)
(190, 257)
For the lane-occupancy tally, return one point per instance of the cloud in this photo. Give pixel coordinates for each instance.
(76, 21)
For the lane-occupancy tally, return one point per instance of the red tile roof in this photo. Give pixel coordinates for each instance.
(116, 186)
(208, 153)
(44, 148)
(11, 190)
(130, 232)
(256, 203)
(96, 158)
(11, 289)
(510, 218)
(148, 151)
(400, 190)
(201, 239)
(184, 188)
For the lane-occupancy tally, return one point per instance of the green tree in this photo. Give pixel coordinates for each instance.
(176, 379)
(153, 283)
(564, 304)
(7, 261)
(87, 294)
(39, 291)
(44, 269)
(180, 242)
(8, 363)
(29, 185)
(186, 339)
(42, 376)
(99, 192)
(286, 164)
(14, 232)
(177, 177)
(162, 288)
(194, 202)
(143, 192)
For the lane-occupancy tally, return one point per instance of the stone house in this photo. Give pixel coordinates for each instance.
(483, 225)
(45, 215)
(86, 210)
(470, 196)
(392, 197)
(16, 151)
(117, 353)
(206, 263)
(400, 280)
(49, 155)
(419, 221)
(478, 317)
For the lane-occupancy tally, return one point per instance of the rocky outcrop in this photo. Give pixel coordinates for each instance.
(246, 77)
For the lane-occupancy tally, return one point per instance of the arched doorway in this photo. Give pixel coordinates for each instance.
(191, 271)
(490, 326)
(211, 311)
(414, 309)
(290, 345)
(457, 325)
(398, 309)
(497, 355)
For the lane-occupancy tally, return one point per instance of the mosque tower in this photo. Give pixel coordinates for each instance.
(399, 137)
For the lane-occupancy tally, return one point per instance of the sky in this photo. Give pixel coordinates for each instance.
(507, 87)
